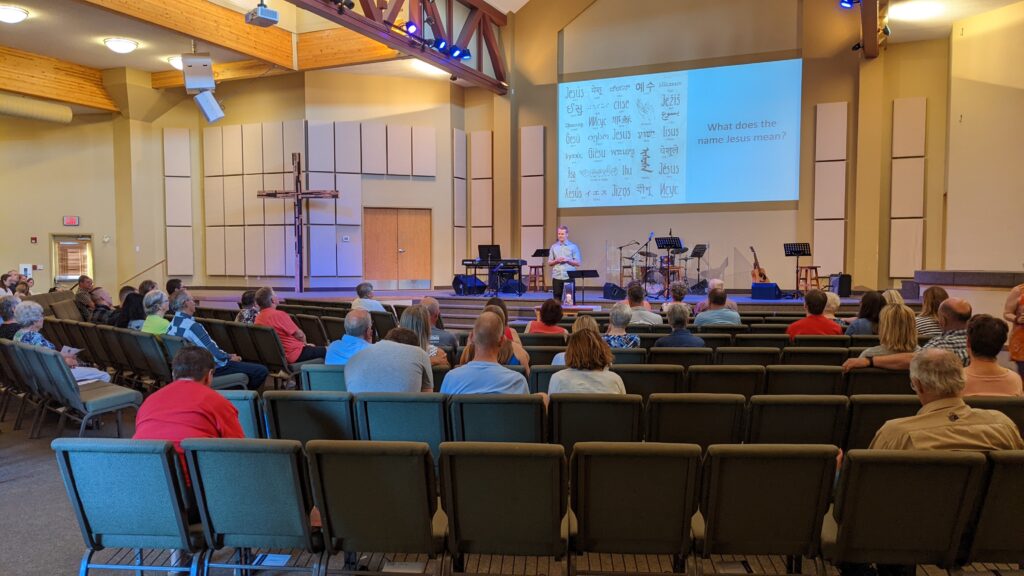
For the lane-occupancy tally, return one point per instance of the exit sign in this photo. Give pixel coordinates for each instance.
(71, 220)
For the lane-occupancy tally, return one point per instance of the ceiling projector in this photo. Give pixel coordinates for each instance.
(261, 16)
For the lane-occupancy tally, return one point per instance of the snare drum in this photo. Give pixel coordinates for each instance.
(666, 261)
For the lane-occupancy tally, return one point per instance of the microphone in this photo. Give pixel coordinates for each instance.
(650, 237)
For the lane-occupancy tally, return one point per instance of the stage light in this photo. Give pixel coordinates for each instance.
(12, 14)
(440, 44)
(466, 55)
(456, 52)
(847, 4)
(411, 27)
(121, 45)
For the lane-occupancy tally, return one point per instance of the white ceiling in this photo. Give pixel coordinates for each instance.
(943, 25)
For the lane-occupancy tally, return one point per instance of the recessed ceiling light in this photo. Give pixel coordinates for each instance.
(121, 45)
(426, 68)
(916, 10)
(12, 14)
(175, 61)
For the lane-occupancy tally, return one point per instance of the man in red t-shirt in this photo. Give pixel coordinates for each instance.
(292, 339)
(188, 407)
(815, 323)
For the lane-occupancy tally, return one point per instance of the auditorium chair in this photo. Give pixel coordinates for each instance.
(488, 514)
(98, 347)
(26, 381)
(438, 373)
(629, 356)
(157, 364)
(247, 402)
(787, 320)
(542, 354)
(865, 340)
(814, 355)
(497, 418)
(304, 416)
(762, 340)
(382, 322)
(797, 419)
(747, 356)
(639, 328)
(1012, 406)
(731, 329)
(922, 340)
(271, 353)
(333, 327)
(66, 310)
(149, 515)
(809, 340)
(405, 417)
(313, 329)
(403, 519)
(540, 377)
(11, 386)
(714, 341)
(648, 379)
(322, 378)
(1000, 520)
(542, 339)
(684, 357)
(795, 379)
(877, 381)
(49, 331)
(647, 340)
(219, 332)
(745, 380)
(902, 506)
(253, 494)
(868, 412)
(594, 418)
(748, 320)
(633, 498)
(769, 328)
(702, 419)
(856, 351)
(766, 499)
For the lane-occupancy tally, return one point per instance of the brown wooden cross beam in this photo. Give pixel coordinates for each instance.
(298, 195)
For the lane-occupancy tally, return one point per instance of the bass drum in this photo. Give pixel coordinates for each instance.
(654, 281)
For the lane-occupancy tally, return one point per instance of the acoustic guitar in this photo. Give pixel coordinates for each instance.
(757, 274)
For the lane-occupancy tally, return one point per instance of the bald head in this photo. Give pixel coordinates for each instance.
(487, 331)
(358, 323)
(433, 308)
(954, 314)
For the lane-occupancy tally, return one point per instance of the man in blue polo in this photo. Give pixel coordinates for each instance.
(484, 375)
(563, 257)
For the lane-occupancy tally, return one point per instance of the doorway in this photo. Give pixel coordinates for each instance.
(72, 257)
(397, 248)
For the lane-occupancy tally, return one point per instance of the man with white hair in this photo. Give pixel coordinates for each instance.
(365, 301)
(713, 284)
(358, 336)
(438, 336)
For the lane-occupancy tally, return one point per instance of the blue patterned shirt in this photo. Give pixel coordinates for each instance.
(33, 338)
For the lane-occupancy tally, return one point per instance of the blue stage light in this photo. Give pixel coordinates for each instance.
(847, 4)
(411, 27)
(440, 44)
(456, 52)
(466, 55)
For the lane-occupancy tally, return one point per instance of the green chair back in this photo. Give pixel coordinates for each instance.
(542, 339)
(797, 419)
(747, 355)
(868, 412)
(408, 417)
(745, 380)
(996, 536)
(540, 377)
(714, 341)
(629, 356)
(760, 340)
(304, 416)
(543, 354)
(247, 402)
(322, 378)
(684, 357)
(789, 379)
(811, 340)
(877, 381)
(647, 379)
(595, 418)
(702, 419)
(497, 418)
(814, 355)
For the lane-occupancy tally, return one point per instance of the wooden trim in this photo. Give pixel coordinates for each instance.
(242, 70)
(44, 77)
(208, 22)
(469, 27)
(339, 47)
(493, 50)
(396, 9)
(438, 25)
(371, 10)
(869, 28)
(490, 11)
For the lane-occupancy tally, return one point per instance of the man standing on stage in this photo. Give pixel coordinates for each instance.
(563, 258)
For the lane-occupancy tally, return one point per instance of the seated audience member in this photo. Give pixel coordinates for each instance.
(146, 286)
(619, 318)
(395, 364)
(293, 340)
(511, 353)
(713, 284)
(188, 407)
(831, 307)
(10, 326)
(172, 286)
(510, 332)
(21, 290)
(102, 306)
(30, 316)
(985, 377)
(897, 333)
(582, 322)
(953, 316)
(184, 325)
(438, 336)
(118, 313)
(815, 323)
(549, 316)
(364, 299)
(247, 314)
(717, 313)
(156, 305)
(928, 320)
(588, 359)
(4, 290)
(677, 291)
(82, 298)
(417, 319)
(892, 296)
(637, 297)
(132, 314)
(630, 284)
(678, 317)
(358, 335)
(31, 284)
(871, 304)
(484, 375)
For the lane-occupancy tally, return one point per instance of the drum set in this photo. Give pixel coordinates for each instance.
(658, 272)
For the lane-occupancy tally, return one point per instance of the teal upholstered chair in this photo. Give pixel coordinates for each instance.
(247, 402)
(304, 416)
(408, 417)
(497, 418)
(322, 378)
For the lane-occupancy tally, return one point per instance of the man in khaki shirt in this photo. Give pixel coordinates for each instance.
(944, 421)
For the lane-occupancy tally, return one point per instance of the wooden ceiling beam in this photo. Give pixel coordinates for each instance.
(242, 70)
(210, 23)
(340, 47)
(44, 77)
(490, 11)
(869, 28)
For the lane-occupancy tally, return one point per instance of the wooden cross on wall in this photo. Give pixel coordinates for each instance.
(298, 195)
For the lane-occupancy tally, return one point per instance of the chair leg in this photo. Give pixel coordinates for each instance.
(83, 569)
(60, 425)
(458, 563)
(20, 414)
(118, 421)
(85, 422)
(37, 422)
(197, 564)
(678, 563)
(138, 561)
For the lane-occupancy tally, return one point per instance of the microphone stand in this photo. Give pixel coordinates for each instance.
(647, 264)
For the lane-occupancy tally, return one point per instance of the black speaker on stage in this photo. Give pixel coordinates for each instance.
(512, 286)
(765, 291)
(841, 284)
(613, 292)
(467, 285)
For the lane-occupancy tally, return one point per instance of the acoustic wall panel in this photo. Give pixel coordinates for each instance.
(478, 236)
(459, 153)
(274, 250)
(908, 127)
(323, 252)
(399, 150)
(460, 248)
(907, 188)
(460, 202)
(348, 152)
(320, 140)
(482, 202)
(531, 238)
(830, 189)
(274, 209)
(350, 251)
(531, 199)
(374, 148)
(234, 211)
(177, 157)
(830, 131)
(251, 202)
(179, 251)
(906, 246)
(424, 151)
(273, 148)
(178, 201)
(255, 249)
(213, 160)
(349, 205)
(294, 141)
(232, 143)
(480, 154)
(213, 200)
(829, 246)
(252, 148)
(234, 250)
(531, 146)
(321, 211)
(215, 251)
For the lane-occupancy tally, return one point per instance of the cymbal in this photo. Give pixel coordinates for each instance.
(647, 254)
(680, 250)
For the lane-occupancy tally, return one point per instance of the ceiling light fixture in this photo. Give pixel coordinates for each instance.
(175, 62)
(12, 14)
(916, 10)
(121, 45)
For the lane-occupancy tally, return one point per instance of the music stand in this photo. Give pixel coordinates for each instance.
(541, 253)
(582, 275)
(698, 252)
(797, 249)
(668, 244)
(488, 252)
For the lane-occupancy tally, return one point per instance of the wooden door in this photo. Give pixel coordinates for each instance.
(396, 248)
(414, 249)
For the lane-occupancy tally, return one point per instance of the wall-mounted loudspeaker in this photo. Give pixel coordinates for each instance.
(198, 71)
(209, 106)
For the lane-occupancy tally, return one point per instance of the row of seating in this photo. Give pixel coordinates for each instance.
(930, 507)
(734, 355)
(716, 339)
(697, 418)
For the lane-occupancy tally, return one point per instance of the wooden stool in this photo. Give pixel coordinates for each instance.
(807, 278)
(625, 272)
(536, 278)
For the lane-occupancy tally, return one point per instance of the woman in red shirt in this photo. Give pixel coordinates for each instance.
(550, 315)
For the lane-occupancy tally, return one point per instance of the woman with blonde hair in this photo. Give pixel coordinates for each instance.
(831, 307)
(510, 354)
(417, 319)
(588, 359)
(896, 331)
(928, 319)
(892, 297)
(583, 322)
